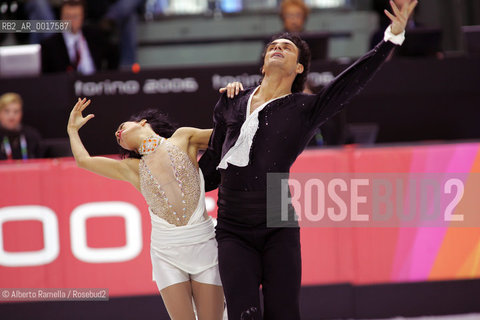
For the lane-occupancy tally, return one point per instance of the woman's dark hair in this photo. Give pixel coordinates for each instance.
(159, 123)
(304, 57)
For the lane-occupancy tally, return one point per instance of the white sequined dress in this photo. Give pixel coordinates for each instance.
(183, 244)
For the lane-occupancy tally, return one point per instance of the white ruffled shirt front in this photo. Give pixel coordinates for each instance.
(239, 154)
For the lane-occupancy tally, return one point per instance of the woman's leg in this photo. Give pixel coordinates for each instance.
(178, 301)
(209, 301)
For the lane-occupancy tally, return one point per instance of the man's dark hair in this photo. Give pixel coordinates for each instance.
(304, 57)
(159, 123)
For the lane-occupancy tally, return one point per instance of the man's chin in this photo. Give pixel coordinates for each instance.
(12, 128)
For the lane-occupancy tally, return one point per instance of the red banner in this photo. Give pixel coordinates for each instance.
(64, 227)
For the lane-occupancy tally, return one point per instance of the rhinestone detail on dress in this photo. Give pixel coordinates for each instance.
(185, 190)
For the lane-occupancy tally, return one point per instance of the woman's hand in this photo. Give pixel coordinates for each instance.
(400, 17)
(76, 120)
(233, 88)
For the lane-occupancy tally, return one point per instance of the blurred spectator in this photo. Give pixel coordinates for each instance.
(18, 141)
(39, 10)
(123, 15)
(294, 14)
(84, 49)
(13, 10)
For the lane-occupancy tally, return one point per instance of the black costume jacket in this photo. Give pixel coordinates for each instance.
(286, 125)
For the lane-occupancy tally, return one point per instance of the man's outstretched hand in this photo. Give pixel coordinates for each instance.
(400, 16)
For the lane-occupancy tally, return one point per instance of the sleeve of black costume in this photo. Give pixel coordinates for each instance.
(349, 83)
(212, 156)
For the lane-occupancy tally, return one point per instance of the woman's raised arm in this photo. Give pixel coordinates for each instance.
(126, 170)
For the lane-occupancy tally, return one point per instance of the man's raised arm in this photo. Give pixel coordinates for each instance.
(351, 81)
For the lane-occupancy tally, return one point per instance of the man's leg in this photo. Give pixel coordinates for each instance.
(282, 274)
(240, 271)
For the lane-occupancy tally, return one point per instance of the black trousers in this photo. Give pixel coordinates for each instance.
(251, 254)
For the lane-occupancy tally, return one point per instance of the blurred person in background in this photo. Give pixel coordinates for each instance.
(39, 10)
(294, 14)
(122, 16)
(83, 49)
(18, 141)
(13, 10)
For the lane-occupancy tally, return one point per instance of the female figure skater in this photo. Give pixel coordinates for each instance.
(162, 164)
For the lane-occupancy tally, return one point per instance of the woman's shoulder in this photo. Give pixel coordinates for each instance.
(132, 163)
(185, 132)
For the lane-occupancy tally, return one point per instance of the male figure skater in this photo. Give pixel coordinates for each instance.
(263, 130)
